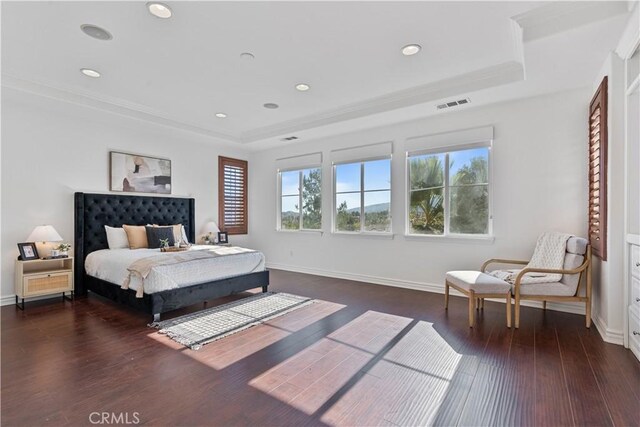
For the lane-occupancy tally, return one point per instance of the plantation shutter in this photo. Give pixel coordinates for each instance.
(232, 195)
(598, 171)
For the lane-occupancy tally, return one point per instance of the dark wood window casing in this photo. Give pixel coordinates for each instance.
(598, 133)
(232, 195)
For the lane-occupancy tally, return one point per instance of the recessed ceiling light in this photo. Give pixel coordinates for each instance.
(159, 10)
(303, 87)
(411, 49)
(221, 115)
(247, 55)
(270, 105)
(96, 32)
(90, 73)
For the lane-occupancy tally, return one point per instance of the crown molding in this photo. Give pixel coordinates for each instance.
(107, 103)
(558, 17)
(500, 74)
(507, 72)
(631, 36)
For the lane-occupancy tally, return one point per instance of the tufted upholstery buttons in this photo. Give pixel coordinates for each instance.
(115, 210)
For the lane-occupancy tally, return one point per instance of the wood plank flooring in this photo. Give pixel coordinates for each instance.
(361, 355)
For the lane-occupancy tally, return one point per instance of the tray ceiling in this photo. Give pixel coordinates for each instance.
(183, 70)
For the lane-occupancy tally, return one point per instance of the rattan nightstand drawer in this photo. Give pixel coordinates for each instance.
(39, 284)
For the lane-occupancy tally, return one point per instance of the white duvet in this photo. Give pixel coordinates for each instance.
(111, 265)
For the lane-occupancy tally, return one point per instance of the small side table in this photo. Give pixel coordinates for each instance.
(44, 277)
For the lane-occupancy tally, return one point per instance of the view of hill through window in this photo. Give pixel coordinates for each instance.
(292, 182)
(448, 194)
(363, 190)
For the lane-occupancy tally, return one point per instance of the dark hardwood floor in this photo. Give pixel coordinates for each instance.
(362, 355)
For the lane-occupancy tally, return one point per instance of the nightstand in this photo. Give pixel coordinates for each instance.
(43, 277)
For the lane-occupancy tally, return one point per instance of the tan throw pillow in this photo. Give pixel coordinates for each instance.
(137, 236)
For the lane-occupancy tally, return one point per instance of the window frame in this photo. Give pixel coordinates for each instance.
(244, 165)
(300, 171)
(362, 191)
(446, 150)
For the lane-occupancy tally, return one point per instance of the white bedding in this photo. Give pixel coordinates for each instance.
(111, 265)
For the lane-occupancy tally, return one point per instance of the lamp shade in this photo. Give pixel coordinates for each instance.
(44, 233)
(210, 227)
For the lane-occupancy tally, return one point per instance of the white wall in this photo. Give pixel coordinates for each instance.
(540, 173)
(51, 149)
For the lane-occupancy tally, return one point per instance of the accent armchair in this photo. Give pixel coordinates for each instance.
(577, 265)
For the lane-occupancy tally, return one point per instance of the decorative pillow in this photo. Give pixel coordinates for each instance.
(137, 236)
(179, 233)
(116, 237)
(156, 233)
(183, 233)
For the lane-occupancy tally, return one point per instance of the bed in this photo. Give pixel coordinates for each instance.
(94, 211)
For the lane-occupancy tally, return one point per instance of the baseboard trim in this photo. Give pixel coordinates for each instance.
(574, 308)
(7, 300)
(609, 335)
(11, 299)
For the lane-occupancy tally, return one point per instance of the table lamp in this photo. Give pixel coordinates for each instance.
(44, 234)
(210, 232)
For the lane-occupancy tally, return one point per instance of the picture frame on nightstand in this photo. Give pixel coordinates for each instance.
(28, 251)
(223, 237)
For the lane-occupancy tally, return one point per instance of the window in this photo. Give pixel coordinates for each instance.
(300, 199)
(363, 191)
(449, 192)
(598, 171)
(232, 195)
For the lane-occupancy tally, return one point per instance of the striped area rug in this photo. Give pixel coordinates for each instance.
(197, 329)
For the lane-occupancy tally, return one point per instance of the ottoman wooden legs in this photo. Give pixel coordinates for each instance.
(472, 302)
(476, 300)
(446, 295)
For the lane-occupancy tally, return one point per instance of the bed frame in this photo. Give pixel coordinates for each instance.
(94, 211)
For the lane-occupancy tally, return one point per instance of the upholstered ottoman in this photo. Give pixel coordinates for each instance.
(477, 286)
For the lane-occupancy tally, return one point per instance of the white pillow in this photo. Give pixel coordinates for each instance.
(185, 240)
(116, 238)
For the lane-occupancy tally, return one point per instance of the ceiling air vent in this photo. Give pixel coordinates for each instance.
(453, 103)
(289, 138)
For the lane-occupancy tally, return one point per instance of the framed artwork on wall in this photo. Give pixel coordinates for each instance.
(134, 173)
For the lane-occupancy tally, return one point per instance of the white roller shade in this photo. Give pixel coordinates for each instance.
(450, 139)
(364, 152)
(304, 161)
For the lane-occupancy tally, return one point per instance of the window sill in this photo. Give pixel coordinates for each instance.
(488, 240)
(385, 236)
(316, 232)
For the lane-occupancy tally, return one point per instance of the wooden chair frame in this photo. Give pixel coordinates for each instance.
(583, 270)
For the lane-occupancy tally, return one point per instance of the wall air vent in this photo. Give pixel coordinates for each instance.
(453, 103)
(289, 138)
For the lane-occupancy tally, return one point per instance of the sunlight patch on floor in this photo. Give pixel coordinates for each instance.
(308, 380)
(406, 387)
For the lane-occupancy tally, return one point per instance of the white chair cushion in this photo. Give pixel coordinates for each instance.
(477, 282)
(571, 261)
(577, 245)
(547, 289)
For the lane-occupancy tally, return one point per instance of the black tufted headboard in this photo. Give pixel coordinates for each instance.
(94, 211)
